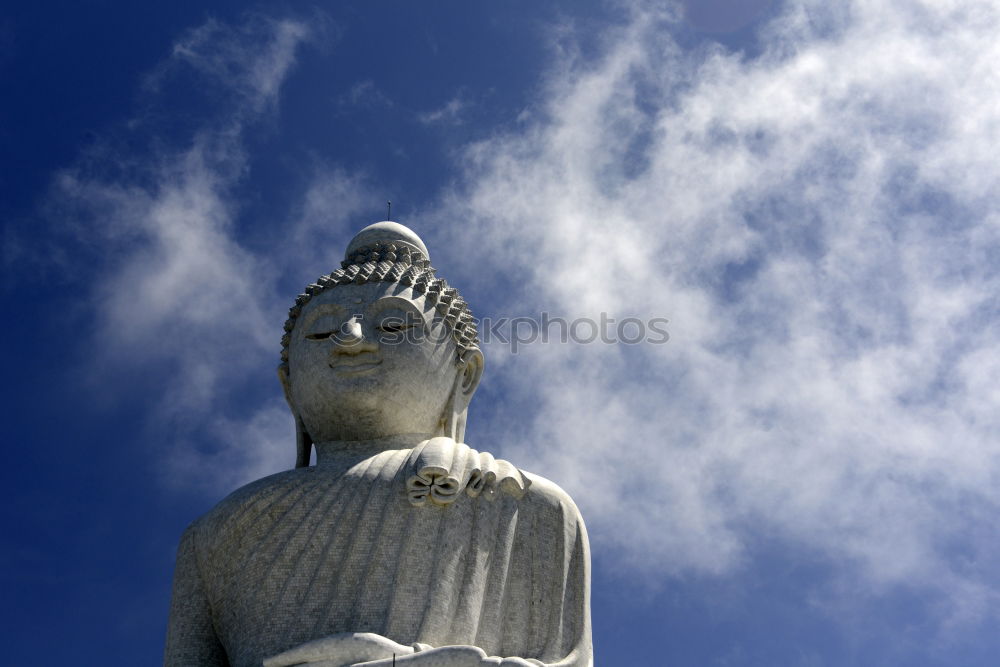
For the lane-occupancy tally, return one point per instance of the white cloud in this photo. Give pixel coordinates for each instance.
(449, 113)
(242, 450)
(327, 217)
(819, 226)
(251, 59)
(365, 94)
(177, 291)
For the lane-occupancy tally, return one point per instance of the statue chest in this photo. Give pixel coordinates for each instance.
(353, 555)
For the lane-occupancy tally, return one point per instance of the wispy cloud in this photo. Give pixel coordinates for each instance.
(251, 60)
(365, 94)
(819, 225)
(450, 113)
(177, 290)
(244, 449)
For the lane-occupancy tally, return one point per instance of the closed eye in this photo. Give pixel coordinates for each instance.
(394, 327)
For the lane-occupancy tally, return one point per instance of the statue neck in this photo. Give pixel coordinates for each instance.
(339, 455)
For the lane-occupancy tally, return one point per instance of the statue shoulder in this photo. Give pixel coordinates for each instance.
(245, 503)
(548, 502)
(545, 491)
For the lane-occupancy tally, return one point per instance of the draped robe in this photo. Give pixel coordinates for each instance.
(311, 552)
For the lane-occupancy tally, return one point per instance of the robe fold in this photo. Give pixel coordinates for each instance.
(311, 552)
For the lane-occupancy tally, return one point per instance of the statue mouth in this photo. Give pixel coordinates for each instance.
(354, 363)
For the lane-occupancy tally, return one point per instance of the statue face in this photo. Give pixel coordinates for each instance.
(369, 361)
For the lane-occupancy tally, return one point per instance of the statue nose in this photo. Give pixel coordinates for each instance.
(351, 331)
(350, 338)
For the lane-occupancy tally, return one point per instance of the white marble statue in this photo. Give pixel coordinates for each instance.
(402, 545)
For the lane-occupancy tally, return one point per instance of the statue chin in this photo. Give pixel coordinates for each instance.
(370, 416)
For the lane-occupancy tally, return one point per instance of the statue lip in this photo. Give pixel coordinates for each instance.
(354, 363)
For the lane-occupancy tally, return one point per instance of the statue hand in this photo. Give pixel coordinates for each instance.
(449, 656)
(340, 650)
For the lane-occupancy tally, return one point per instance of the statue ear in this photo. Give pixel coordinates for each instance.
(303, 441)
(470, 372)
(286, 384)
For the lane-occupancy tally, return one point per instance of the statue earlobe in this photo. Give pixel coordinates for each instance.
(303, 441)
(470, 372)
(303, 444)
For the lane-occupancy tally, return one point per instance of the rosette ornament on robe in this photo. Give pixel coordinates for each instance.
(443, 468)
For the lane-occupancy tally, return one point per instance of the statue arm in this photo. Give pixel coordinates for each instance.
(191, 638)
(451, 656)
(570, 637)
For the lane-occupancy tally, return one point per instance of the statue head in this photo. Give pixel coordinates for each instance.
(379, 347)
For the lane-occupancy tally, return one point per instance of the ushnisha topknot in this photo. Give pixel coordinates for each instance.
(390, 252)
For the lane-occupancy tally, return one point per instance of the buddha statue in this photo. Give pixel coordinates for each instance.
(402, 545)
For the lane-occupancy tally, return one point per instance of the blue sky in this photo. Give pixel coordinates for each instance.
(805, 474)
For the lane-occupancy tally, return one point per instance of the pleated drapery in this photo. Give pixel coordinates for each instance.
(312, 552)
